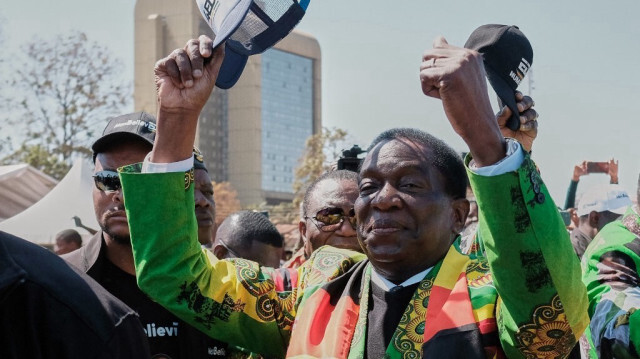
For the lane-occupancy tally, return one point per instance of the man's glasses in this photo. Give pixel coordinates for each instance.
(330, 219)
(107, 181)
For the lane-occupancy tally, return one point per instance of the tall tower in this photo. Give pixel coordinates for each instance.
(253, 134)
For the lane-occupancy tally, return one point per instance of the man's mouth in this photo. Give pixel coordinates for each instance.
(204, 218)
(385, 226)
(118, 214)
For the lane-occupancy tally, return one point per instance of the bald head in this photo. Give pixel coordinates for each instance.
(67, 241)
(249, 235)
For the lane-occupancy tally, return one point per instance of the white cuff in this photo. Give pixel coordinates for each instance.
(180, 166)
(511, 162)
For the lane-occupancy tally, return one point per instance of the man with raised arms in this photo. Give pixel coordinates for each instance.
(415, 294)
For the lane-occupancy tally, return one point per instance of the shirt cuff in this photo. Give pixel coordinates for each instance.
(512, 161)
(180, 166)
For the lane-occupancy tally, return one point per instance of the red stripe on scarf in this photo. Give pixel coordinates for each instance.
(488, 325)
(329, 328)
(448, 309)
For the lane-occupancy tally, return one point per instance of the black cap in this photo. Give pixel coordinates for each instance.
(139, 126)
(198, 160)
(508, 56)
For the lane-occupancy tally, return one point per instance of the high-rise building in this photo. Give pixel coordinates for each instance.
(253, 134)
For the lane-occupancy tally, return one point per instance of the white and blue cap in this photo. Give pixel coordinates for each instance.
(249, 27)
(604, 197)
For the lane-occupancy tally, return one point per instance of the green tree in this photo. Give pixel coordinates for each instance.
(59, 96)
(322, 151)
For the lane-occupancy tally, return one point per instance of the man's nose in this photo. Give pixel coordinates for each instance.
(117, 196)
(387, 198)
(200, 200)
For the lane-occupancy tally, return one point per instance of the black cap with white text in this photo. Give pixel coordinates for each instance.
(138, 126)
(508, 56)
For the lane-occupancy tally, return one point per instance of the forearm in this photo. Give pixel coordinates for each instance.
(175, 136)
(570, 201)
(531, 257)
(220, 298)
(487, 146)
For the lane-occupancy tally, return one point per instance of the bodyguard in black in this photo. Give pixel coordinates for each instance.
(108, 258)
(49, 310)
(167, 335)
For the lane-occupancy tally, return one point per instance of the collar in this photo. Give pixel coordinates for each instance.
(385, 284)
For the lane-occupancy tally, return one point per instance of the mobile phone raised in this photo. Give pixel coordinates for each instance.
(598, 167)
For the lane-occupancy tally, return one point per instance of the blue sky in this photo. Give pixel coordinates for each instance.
(585, 54)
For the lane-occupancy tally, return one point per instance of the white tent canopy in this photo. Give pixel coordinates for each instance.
(21, 186)
(54, 213)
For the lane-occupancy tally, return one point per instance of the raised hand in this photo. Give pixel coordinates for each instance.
(579, 171)
(456, 76)
(185, 78)
(528, 130)
(184, 81)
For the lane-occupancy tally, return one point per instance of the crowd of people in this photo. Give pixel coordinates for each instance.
(418, 254)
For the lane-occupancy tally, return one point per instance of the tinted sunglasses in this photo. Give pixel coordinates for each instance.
(330, 219)
(107, 181)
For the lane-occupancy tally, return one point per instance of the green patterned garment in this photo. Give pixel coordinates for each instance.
(610, 266)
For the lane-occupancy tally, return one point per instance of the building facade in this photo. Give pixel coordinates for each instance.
(253, 134)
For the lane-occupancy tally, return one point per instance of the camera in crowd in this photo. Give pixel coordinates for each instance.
(349, 159)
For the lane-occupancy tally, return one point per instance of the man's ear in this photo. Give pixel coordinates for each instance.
(594, 218)
(302, 228)
(220, 251)
(460, 211)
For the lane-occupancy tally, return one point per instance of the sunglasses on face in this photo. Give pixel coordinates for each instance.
(107, 181)
(330, 219)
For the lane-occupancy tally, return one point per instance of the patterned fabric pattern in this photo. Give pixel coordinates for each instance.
(536, 270)
(189, 178)
(409, 336)
(296, 260)
(549, 335)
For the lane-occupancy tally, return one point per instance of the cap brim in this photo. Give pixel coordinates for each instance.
(507, 95)
(103, 143)
(231, 69)
(620, 210)
(224, 20)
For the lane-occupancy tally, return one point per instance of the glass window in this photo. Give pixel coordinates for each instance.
(287, 116)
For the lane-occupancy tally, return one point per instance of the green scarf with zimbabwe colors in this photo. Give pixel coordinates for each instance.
(456, 297)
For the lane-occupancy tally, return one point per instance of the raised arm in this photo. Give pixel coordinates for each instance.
(235, 302)
(578, 171)
(533, 265)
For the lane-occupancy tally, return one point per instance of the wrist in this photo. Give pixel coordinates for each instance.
(614, 180)
(488, 150)
(175, 135)
(177, 112)
(575, 178)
